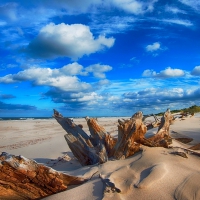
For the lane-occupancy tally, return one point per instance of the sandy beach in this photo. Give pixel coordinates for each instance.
(152, 173)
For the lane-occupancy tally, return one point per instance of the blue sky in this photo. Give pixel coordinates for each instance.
(98, 58)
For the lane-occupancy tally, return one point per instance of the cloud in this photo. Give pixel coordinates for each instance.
(196, 71)
(186, 23)
(8, 11)
(74, 100)
(64, 78)
(174, 10)
(104, 82)
(6, 106)
(110, 24)
(192, 3)
(130, 6)
(63, 40)
(77, 6)
(156, 93)
(128, 102)
(59, 78)
(149, 73)
(72, 69)
(153, 97)
(133, 6)
(167, 73)
(73, 6)
(153, 47)
(43, 10)
(7, 96)
(135, 60)
(98, 70)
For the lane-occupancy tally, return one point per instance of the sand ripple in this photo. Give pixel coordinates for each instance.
(189, 189)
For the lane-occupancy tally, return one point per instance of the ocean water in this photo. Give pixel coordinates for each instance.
(45, 118)
(24, 118)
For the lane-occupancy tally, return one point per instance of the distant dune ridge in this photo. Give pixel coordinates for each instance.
(151, 173)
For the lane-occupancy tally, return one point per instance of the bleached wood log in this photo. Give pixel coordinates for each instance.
(101, 136)
(101, 145)
(162, 137)
(82, 150)
(153, 124)
(69, 126)
(131, 133)
(22, 178)
(89, 150)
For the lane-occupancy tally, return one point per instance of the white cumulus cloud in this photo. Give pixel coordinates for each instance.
(48, 77)
(64, 78)
(65, 40)
(167, 73)
(73, 69)
(153, 47)
(98, 70)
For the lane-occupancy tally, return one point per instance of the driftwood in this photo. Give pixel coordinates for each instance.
(188, 151)
(100, 137)
(100, 145)
(22, 178)
(162, 137)
(182, 154)
(154, 124)
(130, 134)
(82, 149)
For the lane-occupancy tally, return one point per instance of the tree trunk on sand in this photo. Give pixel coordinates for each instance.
(100, 145)
(154, 124)
(130, 134)
(88, 150)
(100, 136)
(22, 178)
(82, 150)
(162, 138)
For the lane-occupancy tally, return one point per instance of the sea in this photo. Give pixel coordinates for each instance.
(49, 118)
(24, 118)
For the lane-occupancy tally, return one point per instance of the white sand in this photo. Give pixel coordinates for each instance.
(153, 173)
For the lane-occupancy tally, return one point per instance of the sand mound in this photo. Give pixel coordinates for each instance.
(157, 172)
(123, 178)
(189, 188)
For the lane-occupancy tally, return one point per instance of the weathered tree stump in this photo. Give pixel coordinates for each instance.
(100, 136)
(88, 150)
(162, 137)
(22, 178)
(130, 136)
(82, 149)
(100, 145)
(153, 124)
(69, 126)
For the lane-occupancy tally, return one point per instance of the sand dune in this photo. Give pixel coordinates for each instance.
(152, 173)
